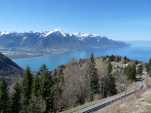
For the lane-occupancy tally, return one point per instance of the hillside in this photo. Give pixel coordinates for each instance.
(74, 84)
(76, 87)
(9, 69)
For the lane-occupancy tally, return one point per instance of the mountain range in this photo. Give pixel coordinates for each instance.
(47, 41)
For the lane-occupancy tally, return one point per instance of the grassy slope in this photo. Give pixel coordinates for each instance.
(102, 69)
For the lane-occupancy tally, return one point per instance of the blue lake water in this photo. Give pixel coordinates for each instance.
(137, 51)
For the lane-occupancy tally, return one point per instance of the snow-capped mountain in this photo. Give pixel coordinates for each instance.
(4, 33)
(56, 32)
(55, 40)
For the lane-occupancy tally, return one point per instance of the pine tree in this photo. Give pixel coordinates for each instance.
(94, 80)
(36, 86)
(16, 99)
(108, 86)
(44, 74)
(148, 67)
(130, 72)
(140, 69)
(4, 99)
(37, 105)
(112, 86)
(27, 88)
(47, 90)
(43, 69)
(109, 68)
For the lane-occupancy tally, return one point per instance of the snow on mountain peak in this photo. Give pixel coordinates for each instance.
(3, 33)
(82, 35)
(57, 31)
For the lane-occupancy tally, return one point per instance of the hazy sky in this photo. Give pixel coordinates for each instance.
(117, 19)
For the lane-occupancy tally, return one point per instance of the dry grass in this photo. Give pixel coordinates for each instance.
(131, 105)
(148, 82)
(138, 103)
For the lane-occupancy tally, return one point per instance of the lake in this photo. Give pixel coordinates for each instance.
(137, 51)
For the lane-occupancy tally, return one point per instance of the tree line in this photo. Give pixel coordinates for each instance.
(60, 89)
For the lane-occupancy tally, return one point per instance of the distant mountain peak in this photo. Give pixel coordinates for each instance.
(82, 34)
(55, 31)
(3, 33)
